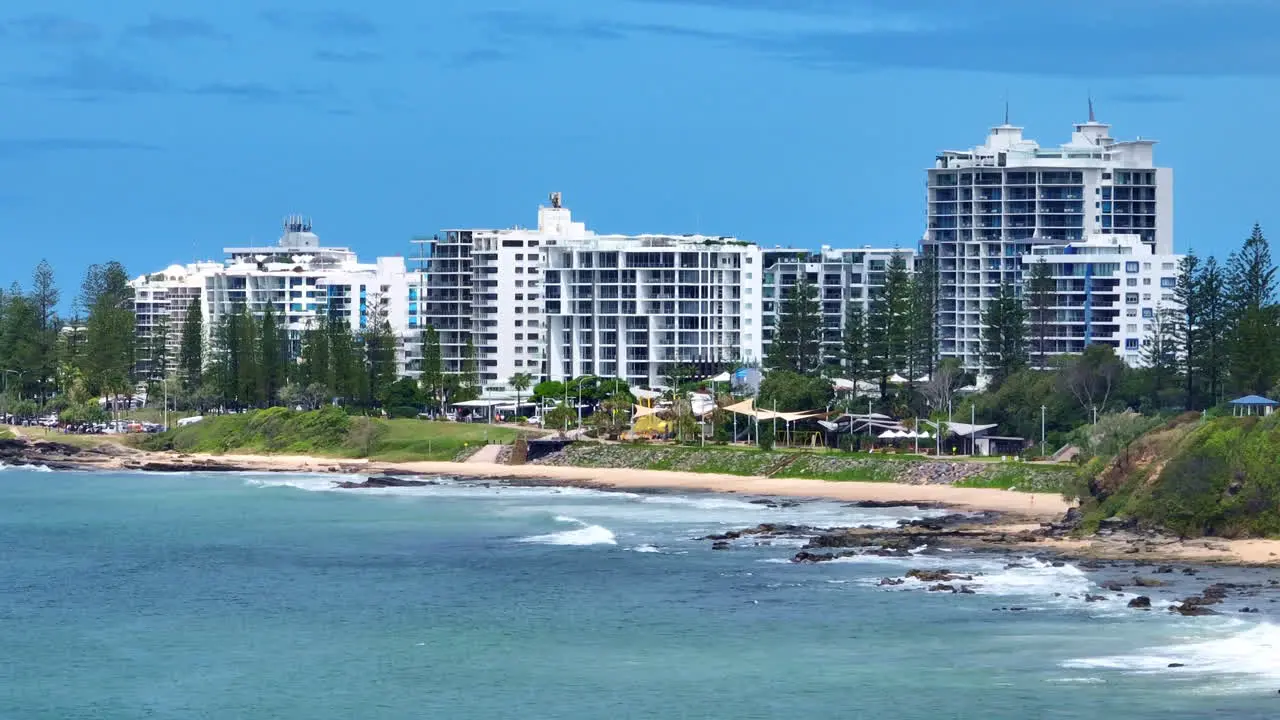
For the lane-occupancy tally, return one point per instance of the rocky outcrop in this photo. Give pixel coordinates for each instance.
(1142, 602)
(383, 481)
(934, 576)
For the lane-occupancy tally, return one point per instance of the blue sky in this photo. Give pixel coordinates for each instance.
(159, 131)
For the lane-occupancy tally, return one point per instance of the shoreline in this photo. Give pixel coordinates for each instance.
(1026, 520)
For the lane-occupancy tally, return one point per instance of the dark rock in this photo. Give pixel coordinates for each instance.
(889, 552)
(936, 576)
(721, 545)
(890, 581)
(1248, 610)
(1176, 665)
(1058, 564)
(1217, 592)
(966, 590)
(1192, 610)
(774, 503)
(1115, 524)
(888, 504)
(1094, 598)
(1190, 571)
(1142, 602)
(1164, 570)
(384, 481)
(807, 557)
(1147, 582)
(943, 588)
(1113, 587)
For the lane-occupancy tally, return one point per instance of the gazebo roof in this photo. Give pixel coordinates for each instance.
(1254, 400)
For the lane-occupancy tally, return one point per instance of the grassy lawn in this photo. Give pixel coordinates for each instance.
(329, 433)
(408, 440)
(1021, 477)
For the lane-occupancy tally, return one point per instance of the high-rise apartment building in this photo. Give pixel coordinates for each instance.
(1108, 290)
(636, 306)
(992, 205)
(559, 300)
(840, 277)
(298, 278)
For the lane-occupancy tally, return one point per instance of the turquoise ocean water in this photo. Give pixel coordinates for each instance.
(202, 596)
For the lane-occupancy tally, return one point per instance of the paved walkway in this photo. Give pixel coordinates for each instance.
(486, 454)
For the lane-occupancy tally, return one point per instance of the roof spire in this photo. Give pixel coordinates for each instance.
(1006, 111)
(1091, 115)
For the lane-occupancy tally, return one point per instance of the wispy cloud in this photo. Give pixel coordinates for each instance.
(1164, 38)
(348, 57)
(475, 58)
(55, 29)
(325, 23)
(1141, 97)
(94, 74)
(96, 78)
(25, 147)
(162, 28)
(253, 92)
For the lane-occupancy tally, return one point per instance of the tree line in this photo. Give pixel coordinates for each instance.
(1220, 338)
(50, 363)
(65, 364)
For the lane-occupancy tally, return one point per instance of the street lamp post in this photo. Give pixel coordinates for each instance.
(1042, 445)
(973, 423)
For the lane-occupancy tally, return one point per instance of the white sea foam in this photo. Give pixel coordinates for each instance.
(1026, 578)
(28, 468)
(646, 549)
(1237, 655)
(586, 534)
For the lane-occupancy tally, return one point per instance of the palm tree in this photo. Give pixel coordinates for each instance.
(519, 382)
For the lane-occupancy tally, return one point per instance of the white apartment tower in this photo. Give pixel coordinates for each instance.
(840, 277)
(298, 278)
(559, 300)
(992, 205)
(1108, 290)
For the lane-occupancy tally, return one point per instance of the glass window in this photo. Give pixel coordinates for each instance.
(1168, 282)
(1148, 312)
(1131, 267)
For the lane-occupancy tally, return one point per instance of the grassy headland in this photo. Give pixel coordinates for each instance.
(1192, 476)
(330, 432)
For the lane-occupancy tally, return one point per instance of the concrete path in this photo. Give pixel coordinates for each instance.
(487, 454)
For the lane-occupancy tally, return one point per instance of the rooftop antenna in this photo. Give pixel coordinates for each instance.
(1006, 111)
(1091, 116)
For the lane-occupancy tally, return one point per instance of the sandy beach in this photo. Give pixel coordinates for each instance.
(1037, 506)
(1024, 511)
